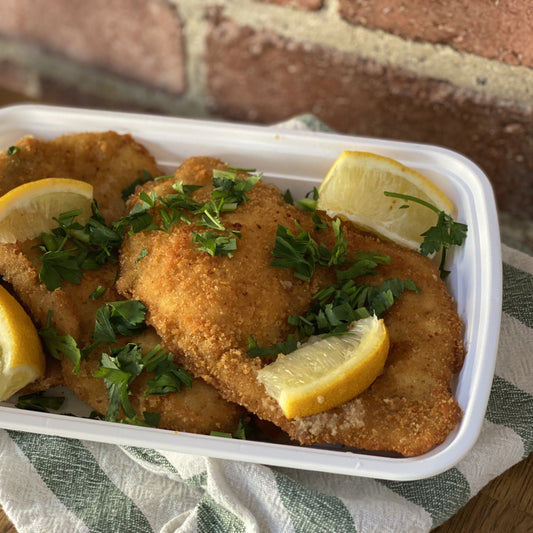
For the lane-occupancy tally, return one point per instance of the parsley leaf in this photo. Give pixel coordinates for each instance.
(168, 376)
(97, 293)
(446, 232)
(57, 344)
(58, 266)
(254, 350)
(214, 243)
(125, 317)
(309, 202)
(37, 402)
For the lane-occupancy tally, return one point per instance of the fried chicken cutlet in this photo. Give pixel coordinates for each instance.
(110, 162)
(205, 308)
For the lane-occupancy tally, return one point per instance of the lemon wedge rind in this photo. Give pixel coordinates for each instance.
(29, 209)
(22, 359)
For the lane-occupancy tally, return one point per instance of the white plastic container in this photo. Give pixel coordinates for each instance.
(298, 160)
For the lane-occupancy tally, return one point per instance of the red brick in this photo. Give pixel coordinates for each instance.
(309, 5)
(285, 78)
(138, 39)
(501, 30)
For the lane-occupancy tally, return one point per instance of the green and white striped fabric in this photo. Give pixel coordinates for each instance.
(52, 484)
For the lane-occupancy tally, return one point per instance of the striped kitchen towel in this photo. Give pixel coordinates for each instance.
(52, 484)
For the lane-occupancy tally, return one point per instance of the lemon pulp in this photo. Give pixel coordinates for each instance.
(327, 372)
(29, 209)
(354, 189)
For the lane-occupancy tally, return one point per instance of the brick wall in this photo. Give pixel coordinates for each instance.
(448, 72)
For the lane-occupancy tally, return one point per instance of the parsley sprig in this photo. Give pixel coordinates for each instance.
(122, 365)
(444, 234)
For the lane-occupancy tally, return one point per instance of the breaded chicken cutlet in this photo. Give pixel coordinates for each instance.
(205, 309)
(111, 163)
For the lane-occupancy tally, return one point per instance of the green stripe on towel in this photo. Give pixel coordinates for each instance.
(71, 472)
(310, 511)
(428, 493)
(509, 406)
(517, 291)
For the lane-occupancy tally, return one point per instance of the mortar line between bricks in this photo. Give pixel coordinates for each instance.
(194, 27)
(327, 29)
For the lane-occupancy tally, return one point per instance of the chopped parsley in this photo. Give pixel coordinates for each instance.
(57, 344)
(125, 317)
(308, 203)
(228, 193)
(71, 248)
(303, 254)
(89, 248)
(254, 350)
(97, 293)
(338, 305)
(12, 150)
(122, 365)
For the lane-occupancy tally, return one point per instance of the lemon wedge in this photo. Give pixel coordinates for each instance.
(28, 210)
(22, 359)
(328, 372)
(354, 189)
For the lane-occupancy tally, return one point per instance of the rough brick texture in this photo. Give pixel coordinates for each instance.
(285, 78)
(496, 29)
(255, 62)
(138, 39)
(300, 4)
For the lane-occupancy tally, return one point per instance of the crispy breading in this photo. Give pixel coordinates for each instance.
(110, 162)
(205, 309)
(198, 409)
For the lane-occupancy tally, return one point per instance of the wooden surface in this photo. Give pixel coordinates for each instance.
(504, 505)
